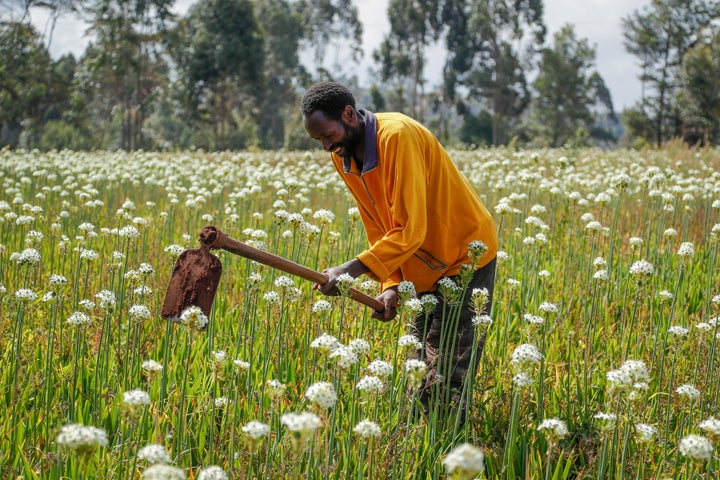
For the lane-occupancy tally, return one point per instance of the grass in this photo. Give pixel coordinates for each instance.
(608, 265)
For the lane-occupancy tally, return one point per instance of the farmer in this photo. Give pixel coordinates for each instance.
(420, 215)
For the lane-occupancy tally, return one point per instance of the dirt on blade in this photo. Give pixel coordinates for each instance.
(194, 280)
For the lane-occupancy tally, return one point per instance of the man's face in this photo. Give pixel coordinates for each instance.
(340, 137)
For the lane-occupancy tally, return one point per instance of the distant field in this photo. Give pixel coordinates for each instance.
(606, 317)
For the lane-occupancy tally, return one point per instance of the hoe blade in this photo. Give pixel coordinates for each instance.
(194, 280)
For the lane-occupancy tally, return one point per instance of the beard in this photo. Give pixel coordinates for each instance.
(351, 139)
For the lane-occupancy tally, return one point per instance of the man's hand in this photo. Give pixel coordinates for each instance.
(354, 268)
(390, 299)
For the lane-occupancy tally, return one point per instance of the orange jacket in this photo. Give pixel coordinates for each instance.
(419, 212)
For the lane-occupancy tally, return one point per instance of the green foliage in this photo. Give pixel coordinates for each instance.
(562, 105)
(660, 35)
(699, 98)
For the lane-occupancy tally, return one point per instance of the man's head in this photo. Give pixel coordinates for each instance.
(330, 98)
(329, 115)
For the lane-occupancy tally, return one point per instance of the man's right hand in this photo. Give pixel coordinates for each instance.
(390, 299)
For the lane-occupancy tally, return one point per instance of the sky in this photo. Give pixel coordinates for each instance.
(598, 21)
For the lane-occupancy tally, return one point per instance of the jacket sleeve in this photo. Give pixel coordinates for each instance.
(404, 171)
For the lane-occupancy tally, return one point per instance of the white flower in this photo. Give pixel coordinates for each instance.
(413, 306)
(212, 473)
(26, 294)
(276, 388)
(605, 417)
(106, 299)
(416, 369)
(322, 394)
(324, 216)
(664, 296)
(221, 402)
(465, 460)
(272, 298)
(302, 423)
(370, 383)
(89, 255)
(645, 433)
(81, 438)
(553, 428)
(525, 356)
(594, 226)
(686, 250)
(601, 275)
(139, 312)
(174, 250)
(255, 429)
(678, 331)
(642, 267)
(163, 472)
(478, 320)
(618, 378)
(136, 398)
(522, 380)
(154, 453)
(29, 256)
(241, 365)
(711, 426)
(79, 318)
(146, 269)
(359, 346)
(696, 447)
(321, 306)
(325, 343)
(130, 232)
(587, 217)
(346, 357)
(688, 391)
(636, 369)
(548, 307)
(599, 262)
(151, 366)
(533, 319)
(194, 317)
(367, 429)
(380, 368)
(409, 341)
(406, 289)
(58, 280)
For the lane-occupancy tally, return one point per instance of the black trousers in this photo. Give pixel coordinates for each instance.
(448, 337)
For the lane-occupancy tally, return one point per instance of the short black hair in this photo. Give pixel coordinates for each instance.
(328, 97)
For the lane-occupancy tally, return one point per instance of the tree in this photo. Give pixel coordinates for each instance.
(485, 55)
(563, 87)
(699, 97)
(332, 22)
(123, 65)
(282, 27)
(659, 35)
(414, 25)
(33, 88)
(221, 57)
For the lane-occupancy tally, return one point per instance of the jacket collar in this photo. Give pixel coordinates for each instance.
(370, 160)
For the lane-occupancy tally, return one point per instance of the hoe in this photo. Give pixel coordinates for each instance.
(196, 274)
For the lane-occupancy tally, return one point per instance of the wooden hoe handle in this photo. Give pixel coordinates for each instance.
(216, 238)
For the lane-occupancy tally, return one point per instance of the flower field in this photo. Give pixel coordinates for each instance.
(601, 357)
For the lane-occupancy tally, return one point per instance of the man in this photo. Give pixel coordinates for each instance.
(420, 215)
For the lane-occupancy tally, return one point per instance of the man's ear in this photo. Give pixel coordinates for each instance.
(349, 114)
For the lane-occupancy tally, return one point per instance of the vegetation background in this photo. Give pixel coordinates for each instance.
(228, 74)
